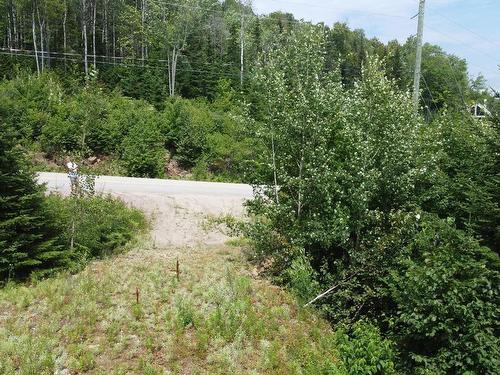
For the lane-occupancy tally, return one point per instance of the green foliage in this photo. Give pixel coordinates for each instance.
(189, 126)
(301, 278)
(445, 79)
(339, 167)
(204, 137)
(445, 292)
(363, 350)
(27, 231)
(461, 176)
(27, 103)
(350, 172)
(95, 225)
(142, 150)
(89, 121)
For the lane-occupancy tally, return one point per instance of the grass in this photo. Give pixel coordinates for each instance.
(216, 319)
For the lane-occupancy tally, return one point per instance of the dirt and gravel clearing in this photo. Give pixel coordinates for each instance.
(177, 209)
(177, 221)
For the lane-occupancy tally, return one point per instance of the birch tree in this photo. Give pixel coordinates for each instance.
(84, 35)
(302, 112)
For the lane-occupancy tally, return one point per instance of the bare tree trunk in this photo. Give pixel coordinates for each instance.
(301, 169)
(34, 40)
(105, 29)
(14, 25)
(12, 37)
(143, 15)
(172, 70)
(242, 43)
(114, 39)
(275, 173)
(64, 33)
(169, 76)
(84, 35)
(9, 29)
(93, 31)
(47, 43)
(41, 27)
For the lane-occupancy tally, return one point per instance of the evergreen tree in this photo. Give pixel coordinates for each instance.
(27, 238)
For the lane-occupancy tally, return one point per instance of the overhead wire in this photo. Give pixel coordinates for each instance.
(309, 5)
(121, 59)
(481, 37)
(72, 59)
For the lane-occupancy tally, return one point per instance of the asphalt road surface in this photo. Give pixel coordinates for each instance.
(177, 208)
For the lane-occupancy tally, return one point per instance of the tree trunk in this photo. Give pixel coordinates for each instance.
(275, 173)
(14, 28)
(9, 29)
(93, 31)
(114, 39)
(41, 27)
(242, 43)
(47, 43)
(64, 33)
(34, 40)
(143, 15)
(172, 70)
(84, 35)
(105, 30)
(301, 171)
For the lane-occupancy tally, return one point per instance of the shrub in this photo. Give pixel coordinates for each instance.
(95, 225)
(301, 278)
(445, 292)
(186, 126)
(431, 288)
(28, 102)
(143, 154)
(27, 233)
(461, 174)
(362, 350)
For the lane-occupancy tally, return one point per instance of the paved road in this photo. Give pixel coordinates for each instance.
(112, 184)
(178, 208)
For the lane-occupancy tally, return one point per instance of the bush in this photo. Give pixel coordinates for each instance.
(301, 278)
(28, 102)
(431, 288)
(186, 127)
(363, 350)
(143, 154)
(95, 225)
(349, 169)
(445, 292)
(27, 232)
(462, 174)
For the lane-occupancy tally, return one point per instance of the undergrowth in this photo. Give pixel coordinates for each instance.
(215, 319)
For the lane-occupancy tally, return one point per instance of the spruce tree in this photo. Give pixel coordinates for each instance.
(27, 236)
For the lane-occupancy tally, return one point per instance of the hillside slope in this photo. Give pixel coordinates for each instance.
(217, 318)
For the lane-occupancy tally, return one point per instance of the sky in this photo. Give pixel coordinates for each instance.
(466, 28)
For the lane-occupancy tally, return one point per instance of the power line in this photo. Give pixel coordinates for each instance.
(72, 59)
(468, 29)
(463, 43)
(140, 59)
(342, 9)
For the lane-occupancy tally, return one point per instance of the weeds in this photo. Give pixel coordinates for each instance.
(216, 319)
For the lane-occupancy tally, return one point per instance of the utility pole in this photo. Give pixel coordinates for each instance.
(418, 60)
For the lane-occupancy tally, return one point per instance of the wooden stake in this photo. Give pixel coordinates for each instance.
(137, 295)
(177, 268)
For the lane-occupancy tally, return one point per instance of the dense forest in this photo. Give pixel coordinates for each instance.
(364, 209)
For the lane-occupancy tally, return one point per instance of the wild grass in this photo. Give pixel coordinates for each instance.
(216, 319)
